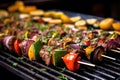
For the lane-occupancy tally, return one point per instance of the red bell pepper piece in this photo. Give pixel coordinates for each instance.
(87, 42)
(16, 46)
(71, 61)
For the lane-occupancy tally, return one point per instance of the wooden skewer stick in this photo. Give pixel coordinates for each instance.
(108, 57)
(118, 48)
(115, 51)
(89, 64)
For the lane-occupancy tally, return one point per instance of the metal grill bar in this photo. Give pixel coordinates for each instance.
(18, 72)
(54, 71)
(85, 73)
(100, 72)
(113, 67)
(25, 69)
(112, 62)
(75, 74)
(111, 71)
(36, 63)
(97, 77)
(118, 60)
(33, 67)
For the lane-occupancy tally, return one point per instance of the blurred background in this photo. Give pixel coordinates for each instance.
(102, 8)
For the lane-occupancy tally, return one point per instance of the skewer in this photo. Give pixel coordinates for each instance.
(98, 54)
(89, 64)
(115, 51)
(118, 48)
(108, 57)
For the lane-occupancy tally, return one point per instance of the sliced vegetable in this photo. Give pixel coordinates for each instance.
(56, 56)
(16, 46)
(111, 44)
(106, 23)
(65, 19)
(116, 26)
(75, 19)
(91, 21)
(75, 46)
(71, 61)
(8, 42)
(96, 55)
(66, 41)
(87, 42)
(88, 51)
(33, 52)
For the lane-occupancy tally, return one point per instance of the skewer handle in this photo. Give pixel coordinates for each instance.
(118, 48)
(89, 64)
(115, 50)
(108, 57)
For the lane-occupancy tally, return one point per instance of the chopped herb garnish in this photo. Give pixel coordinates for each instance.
(30, 23)
(27, 24)
(43, 69)
(92, 29)
(63, 69)
(8, 28)
(31, 69)
(42, 27)
(49, 48)
(50, 53)
(60, 49)
(16, 14)
(15, 64)
(77, 40)
(20, 37)
(63, 77)
(95, 39)
(50, 33)
(103, 33)
(111, 35)
(54, 35)
(20, 58)
(44, 39)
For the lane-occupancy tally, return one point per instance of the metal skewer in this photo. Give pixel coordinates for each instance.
(108, 57)
(115, 51)
(118, 48)
(89, 64)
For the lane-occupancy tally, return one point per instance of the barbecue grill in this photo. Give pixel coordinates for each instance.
(34, 70)
(108, 70)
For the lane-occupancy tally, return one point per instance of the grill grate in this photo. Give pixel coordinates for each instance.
(35, 70)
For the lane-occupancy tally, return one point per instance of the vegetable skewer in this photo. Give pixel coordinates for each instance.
(55, 52)
(73, 61)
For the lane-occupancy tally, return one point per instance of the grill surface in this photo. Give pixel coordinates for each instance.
(32, 70)
(108, 70)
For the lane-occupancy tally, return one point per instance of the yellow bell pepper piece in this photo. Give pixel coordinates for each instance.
(31, 53)
(88, 51)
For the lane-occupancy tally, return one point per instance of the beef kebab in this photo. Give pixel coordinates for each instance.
(35, 50)
(63, 44)
(89, 49)
(32, 47)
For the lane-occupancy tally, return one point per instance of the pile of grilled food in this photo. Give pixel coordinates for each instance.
(57, 39)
